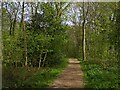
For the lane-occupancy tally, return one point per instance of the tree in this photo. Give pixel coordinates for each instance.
(114, 35)
(1, 57)
(24, 35)
(12, 10)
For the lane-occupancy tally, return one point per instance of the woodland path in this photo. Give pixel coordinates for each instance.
(72, 76)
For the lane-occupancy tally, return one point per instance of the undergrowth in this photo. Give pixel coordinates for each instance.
(98, 77)
(31, 77)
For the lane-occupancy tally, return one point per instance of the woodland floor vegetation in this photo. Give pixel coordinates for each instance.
(97, 76)
(30, 77)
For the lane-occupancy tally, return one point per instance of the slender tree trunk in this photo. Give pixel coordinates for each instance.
(14, 23)
(11, 27)
(25, 46)
(117, 45)
(10, 20)
(22, 26)
(1, 45)
(36, 8)
(22, 16)
(31, 9)
(44, 59)
(83, 41)
(40, 59)
(1, 16)
(83, 29)
(83, 33)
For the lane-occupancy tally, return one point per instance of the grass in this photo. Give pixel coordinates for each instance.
(32, 78)
(95, 76)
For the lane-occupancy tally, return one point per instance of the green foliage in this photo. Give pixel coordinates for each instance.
(73, 46)
(42, 42)
(45, 33)
(12, 52)
(29, 77)
(44, 79)
(48, 34)
(48, 42)
(101, 67)
(97, 77)
(114, 35)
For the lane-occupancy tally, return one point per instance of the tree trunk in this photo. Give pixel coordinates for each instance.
(10, 19)
(1, 45)
(83, 41)
(24, 36)
(10, 27)
(25, 45)
(22, 16)
(14, 22)
(44, 59)
(40, 59)
(31, 8)
(83, 29)
(83, 33)
(36, 8)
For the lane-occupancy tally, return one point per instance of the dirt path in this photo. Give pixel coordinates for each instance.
(72, 76)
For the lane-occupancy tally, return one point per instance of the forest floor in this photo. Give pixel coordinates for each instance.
(72, 76)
